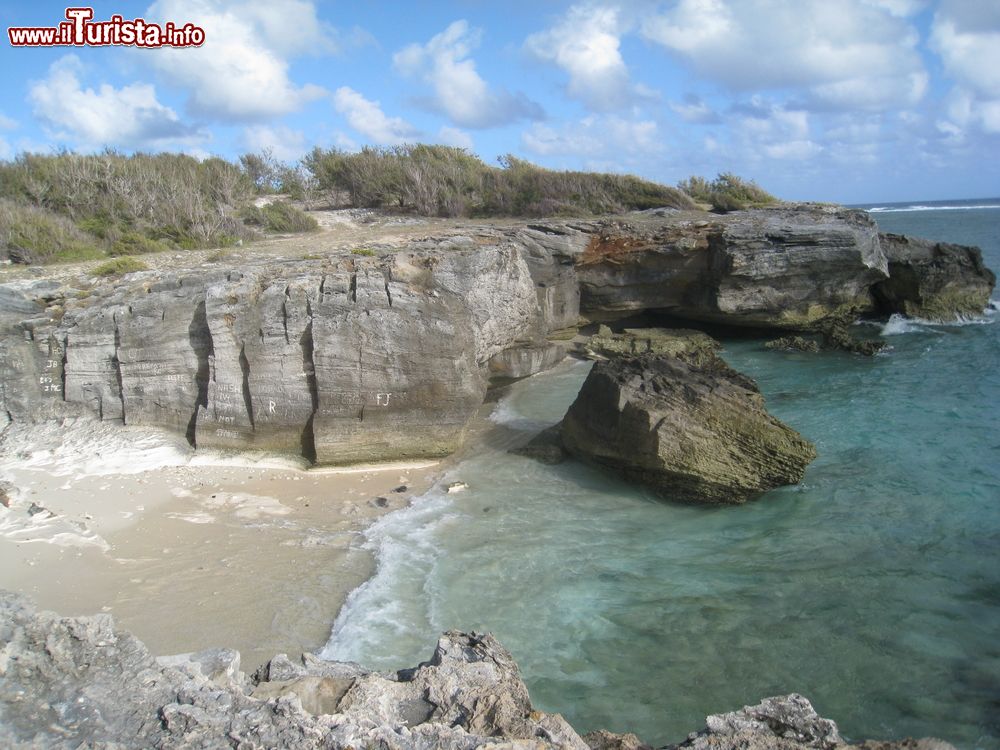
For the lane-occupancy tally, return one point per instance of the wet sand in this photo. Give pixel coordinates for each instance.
(257, 558)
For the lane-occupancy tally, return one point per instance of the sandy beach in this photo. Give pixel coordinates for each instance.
(189, 550)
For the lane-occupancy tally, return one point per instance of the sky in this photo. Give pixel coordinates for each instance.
(852, 101)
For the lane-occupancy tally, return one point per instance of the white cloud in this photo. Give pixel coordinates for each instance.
(450, 136)
(850, 54)
(798, 150)
(765, 128)
(901, 8)
(459, 91)
(585, 43)
(695, 110)
(240, 73)
(6, 123)
(284, 143)
(129, 116)
(290, 27)
(966, 35)
(367, 118)
(970, 55)
(595, 137)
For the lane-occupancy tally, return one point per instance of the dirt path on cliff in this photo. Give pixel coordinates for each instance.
(340, 231)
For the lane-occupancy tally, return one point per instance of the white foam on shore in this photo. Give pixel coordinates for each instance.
(919, 207)
(81, 447)
(197, 517)
(404, 546)
(366, 468)
(899, 324)
(20, 527)
(506, 414)
(90, 448)
(246, 506)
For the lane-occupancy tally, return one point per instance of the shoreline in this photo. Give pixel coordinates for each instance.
(231, 550)
(196, 549)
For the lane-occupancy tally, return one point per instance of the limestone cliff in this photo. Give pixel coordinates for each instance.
(345, 357)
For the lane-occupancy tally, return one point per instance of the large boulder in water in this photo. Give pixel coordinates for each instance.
(933, 280)
(691, 432)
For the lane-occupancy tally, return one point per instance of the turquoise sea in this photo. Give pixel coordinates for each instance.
(873, 587)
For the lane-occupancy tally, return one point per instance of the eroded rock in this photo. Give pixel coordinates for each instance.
(933, 280)
(691, 433)
(693, 346)
(72, 682)
(785, 722)
(67, 682)
(786, 267)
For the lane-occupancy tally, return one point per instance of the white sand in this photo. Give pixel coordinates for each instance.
(189, 551)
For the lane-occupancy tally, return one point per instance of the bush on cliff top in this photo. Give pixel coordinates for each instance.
(70, 206)
(279, 216)
(727, 192)
(446, 181)
(34, 235)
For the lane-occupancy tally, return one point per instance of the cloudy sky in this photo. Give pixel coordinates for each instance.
(842, 100)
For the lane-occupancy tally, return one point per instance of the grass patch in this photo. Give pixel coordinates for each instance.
(34, 235)
(119, 266)
(365, 251)
(133, 204)
(133, 243)
(219, 255)
(446, 181)
(727, 192)
(279, 216)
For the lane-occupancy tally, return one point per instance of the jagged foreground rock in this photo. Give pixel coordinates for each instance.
(345, 358)
(77, 682)
(693, 430)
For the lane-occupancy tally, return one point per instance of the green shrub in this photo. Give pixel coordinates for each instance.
(365, 251)
(727, 192)
(133, 243)
(170, 197)
(446, 181)
(36, 235)
(279, 216)
(119, 266)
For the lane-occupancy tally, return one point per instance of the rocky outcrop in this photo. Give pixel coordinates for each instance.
(692, 346)
(933, 280)
(693, 433)
(71, 682)
(780, 268)
(527, 359)
(345, 358)
(793, 344)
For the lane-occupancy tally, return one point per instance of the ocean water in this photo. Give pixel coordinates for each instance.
(873, 587)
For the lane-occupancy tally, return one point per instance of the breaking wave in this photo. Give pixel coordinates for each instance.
(918, 207)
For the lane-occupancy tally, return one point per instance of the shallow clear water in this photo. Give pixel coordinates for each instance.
(873, 587)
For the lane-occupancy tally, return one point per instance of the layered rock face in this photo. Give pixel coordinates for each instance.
(774, 268)
(350, 358)
(71, 682)
(354, 360)
(691, 432)
(933, 280)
